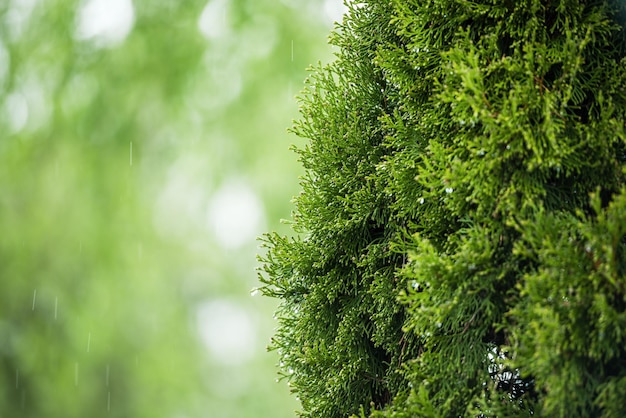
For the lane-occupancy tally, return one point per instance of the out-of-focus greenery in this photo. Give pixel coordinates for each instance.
(126, 161)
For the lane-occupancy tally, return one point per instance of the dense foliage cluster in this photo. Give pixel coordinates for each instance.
(461, 244)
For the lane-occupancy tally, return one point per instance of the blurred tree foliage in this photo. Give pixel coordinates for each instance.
(97, 308)
(462, 215)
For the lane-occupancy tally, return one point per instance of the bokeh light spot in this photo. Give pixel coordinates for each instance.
(108, 22)
(235, 215)
(212, 22)
(227, 331)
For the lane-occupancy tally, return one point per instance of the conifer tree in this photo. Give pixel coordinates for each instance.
(461, 246)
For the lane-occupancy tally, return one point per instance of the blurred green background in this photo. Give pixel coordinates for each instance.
(143, 149)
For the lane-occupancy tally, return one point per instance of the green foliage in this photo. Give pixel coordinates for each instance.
(462, 216)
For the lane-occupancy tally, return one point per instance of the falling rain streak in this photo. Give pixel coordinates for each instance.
(290, 89)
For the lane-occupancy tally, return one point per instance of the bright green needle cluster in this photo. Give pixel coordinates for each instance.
(462, 221)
